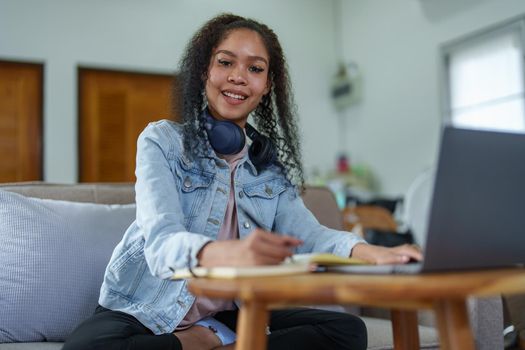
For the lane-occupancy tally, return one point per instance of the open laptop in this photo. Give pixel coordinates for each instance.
(477, 213)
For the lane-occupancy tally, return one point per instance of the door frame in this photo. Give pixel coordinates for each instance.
(82, 70)
(40, 68)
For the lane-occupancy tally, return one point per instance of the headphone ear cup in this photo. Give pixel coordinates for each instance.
(262, 152)
(225, 137)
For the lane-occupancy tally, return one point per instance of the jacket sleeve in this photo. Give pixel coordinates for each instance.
(293, 218)
(167, 244)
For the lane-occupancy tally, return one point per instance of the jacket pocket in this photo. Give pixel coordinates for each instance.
(130, 277)
(264, 198)
(266, 189)
(129, 255)
(194, 189)
(128, 270)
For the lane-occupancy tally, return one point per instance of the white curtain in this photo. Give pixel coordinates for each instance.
(486, 83)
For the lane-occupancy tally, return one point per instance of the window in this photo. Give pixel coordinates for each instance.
(484, 77)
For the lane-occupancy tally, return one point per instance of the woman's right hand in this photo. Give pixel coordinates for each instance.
(258, 248)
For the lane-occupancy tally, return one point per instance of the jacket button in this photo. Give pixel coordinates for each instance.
(241, 194)
(246, 224)
(187, 182)
(268, 191)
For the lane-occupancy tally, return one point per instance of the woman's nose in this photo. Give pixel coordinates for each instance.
(237, 77)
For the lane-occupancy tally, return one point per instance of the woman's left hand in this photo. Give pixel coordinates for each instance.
(383, 255)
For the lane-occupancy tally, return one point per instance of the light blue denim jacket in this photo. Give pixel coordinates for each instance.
(180, 207)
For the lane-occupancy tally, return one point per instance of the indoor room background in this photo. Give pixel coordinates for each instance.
(392, 129)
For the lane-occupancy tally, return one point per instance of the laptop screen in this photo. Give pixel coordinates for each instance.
(477, 216)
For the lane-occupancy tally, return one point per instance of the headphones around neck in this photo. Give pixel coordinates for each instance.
(226, 137)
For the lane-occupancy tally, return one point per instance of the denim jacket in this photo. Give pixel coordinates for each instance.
(180, 207)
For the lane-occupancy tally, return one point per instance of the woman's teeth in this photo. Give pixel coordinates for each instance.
(238, 97)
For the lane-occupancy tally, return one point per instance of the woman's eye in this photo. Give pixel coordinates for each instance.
(256, 69)
(224, 62)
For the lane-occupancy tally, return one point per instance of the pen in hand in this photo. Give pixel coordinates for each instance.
(289, 242)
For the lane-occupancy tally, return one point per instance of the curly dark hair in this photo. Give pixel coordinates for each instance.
(275, 114)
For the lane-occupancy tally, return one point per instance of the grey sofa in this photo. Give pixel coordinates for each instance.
(88, 257)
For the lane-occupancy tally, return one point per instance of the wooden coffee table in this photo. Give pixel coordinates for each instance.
(445, 293)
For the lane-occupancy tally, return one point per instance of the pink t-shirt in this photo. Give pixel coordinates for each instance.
(203, 307)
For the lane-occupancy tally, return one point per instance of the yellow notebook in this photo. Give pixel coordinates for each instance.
(298, 263)
(325, 259)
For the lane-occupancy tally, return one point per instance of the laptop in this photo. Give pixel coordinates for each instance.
(477, 212)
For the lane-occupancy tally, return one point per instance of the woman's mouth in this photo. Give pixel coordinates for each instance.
(234, 96)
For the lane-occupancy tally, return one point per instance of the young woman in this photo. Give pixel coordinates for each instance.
(206, 196)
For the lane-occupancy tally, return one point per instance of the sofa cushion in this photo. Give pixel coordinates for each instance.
(53, 255)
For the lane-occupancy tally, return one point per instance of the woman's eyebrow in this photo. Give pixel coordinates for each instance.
(255, 58)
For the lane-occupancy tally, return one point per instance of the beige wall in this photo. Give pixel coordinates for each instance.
(396, 43)
(150, 36)
(394, 129)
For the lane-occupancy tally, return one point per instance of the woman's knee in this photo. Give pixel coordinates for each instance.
(105, 331)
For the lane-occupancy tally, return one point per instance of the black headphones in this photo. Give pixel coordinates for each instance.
(226, 137)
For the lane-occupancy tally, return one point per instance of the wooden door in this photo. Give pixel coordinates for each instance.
(114, 107)
(21, 90)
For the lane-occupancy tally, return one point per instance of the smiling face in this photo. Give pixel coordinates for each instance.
(237, 76)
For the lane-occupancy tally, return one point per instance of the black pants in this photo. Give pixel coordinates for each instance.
(290, 329)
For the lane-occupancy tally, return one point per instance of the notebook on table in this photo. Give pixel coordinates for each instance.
(477, 212)
(296, 264)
